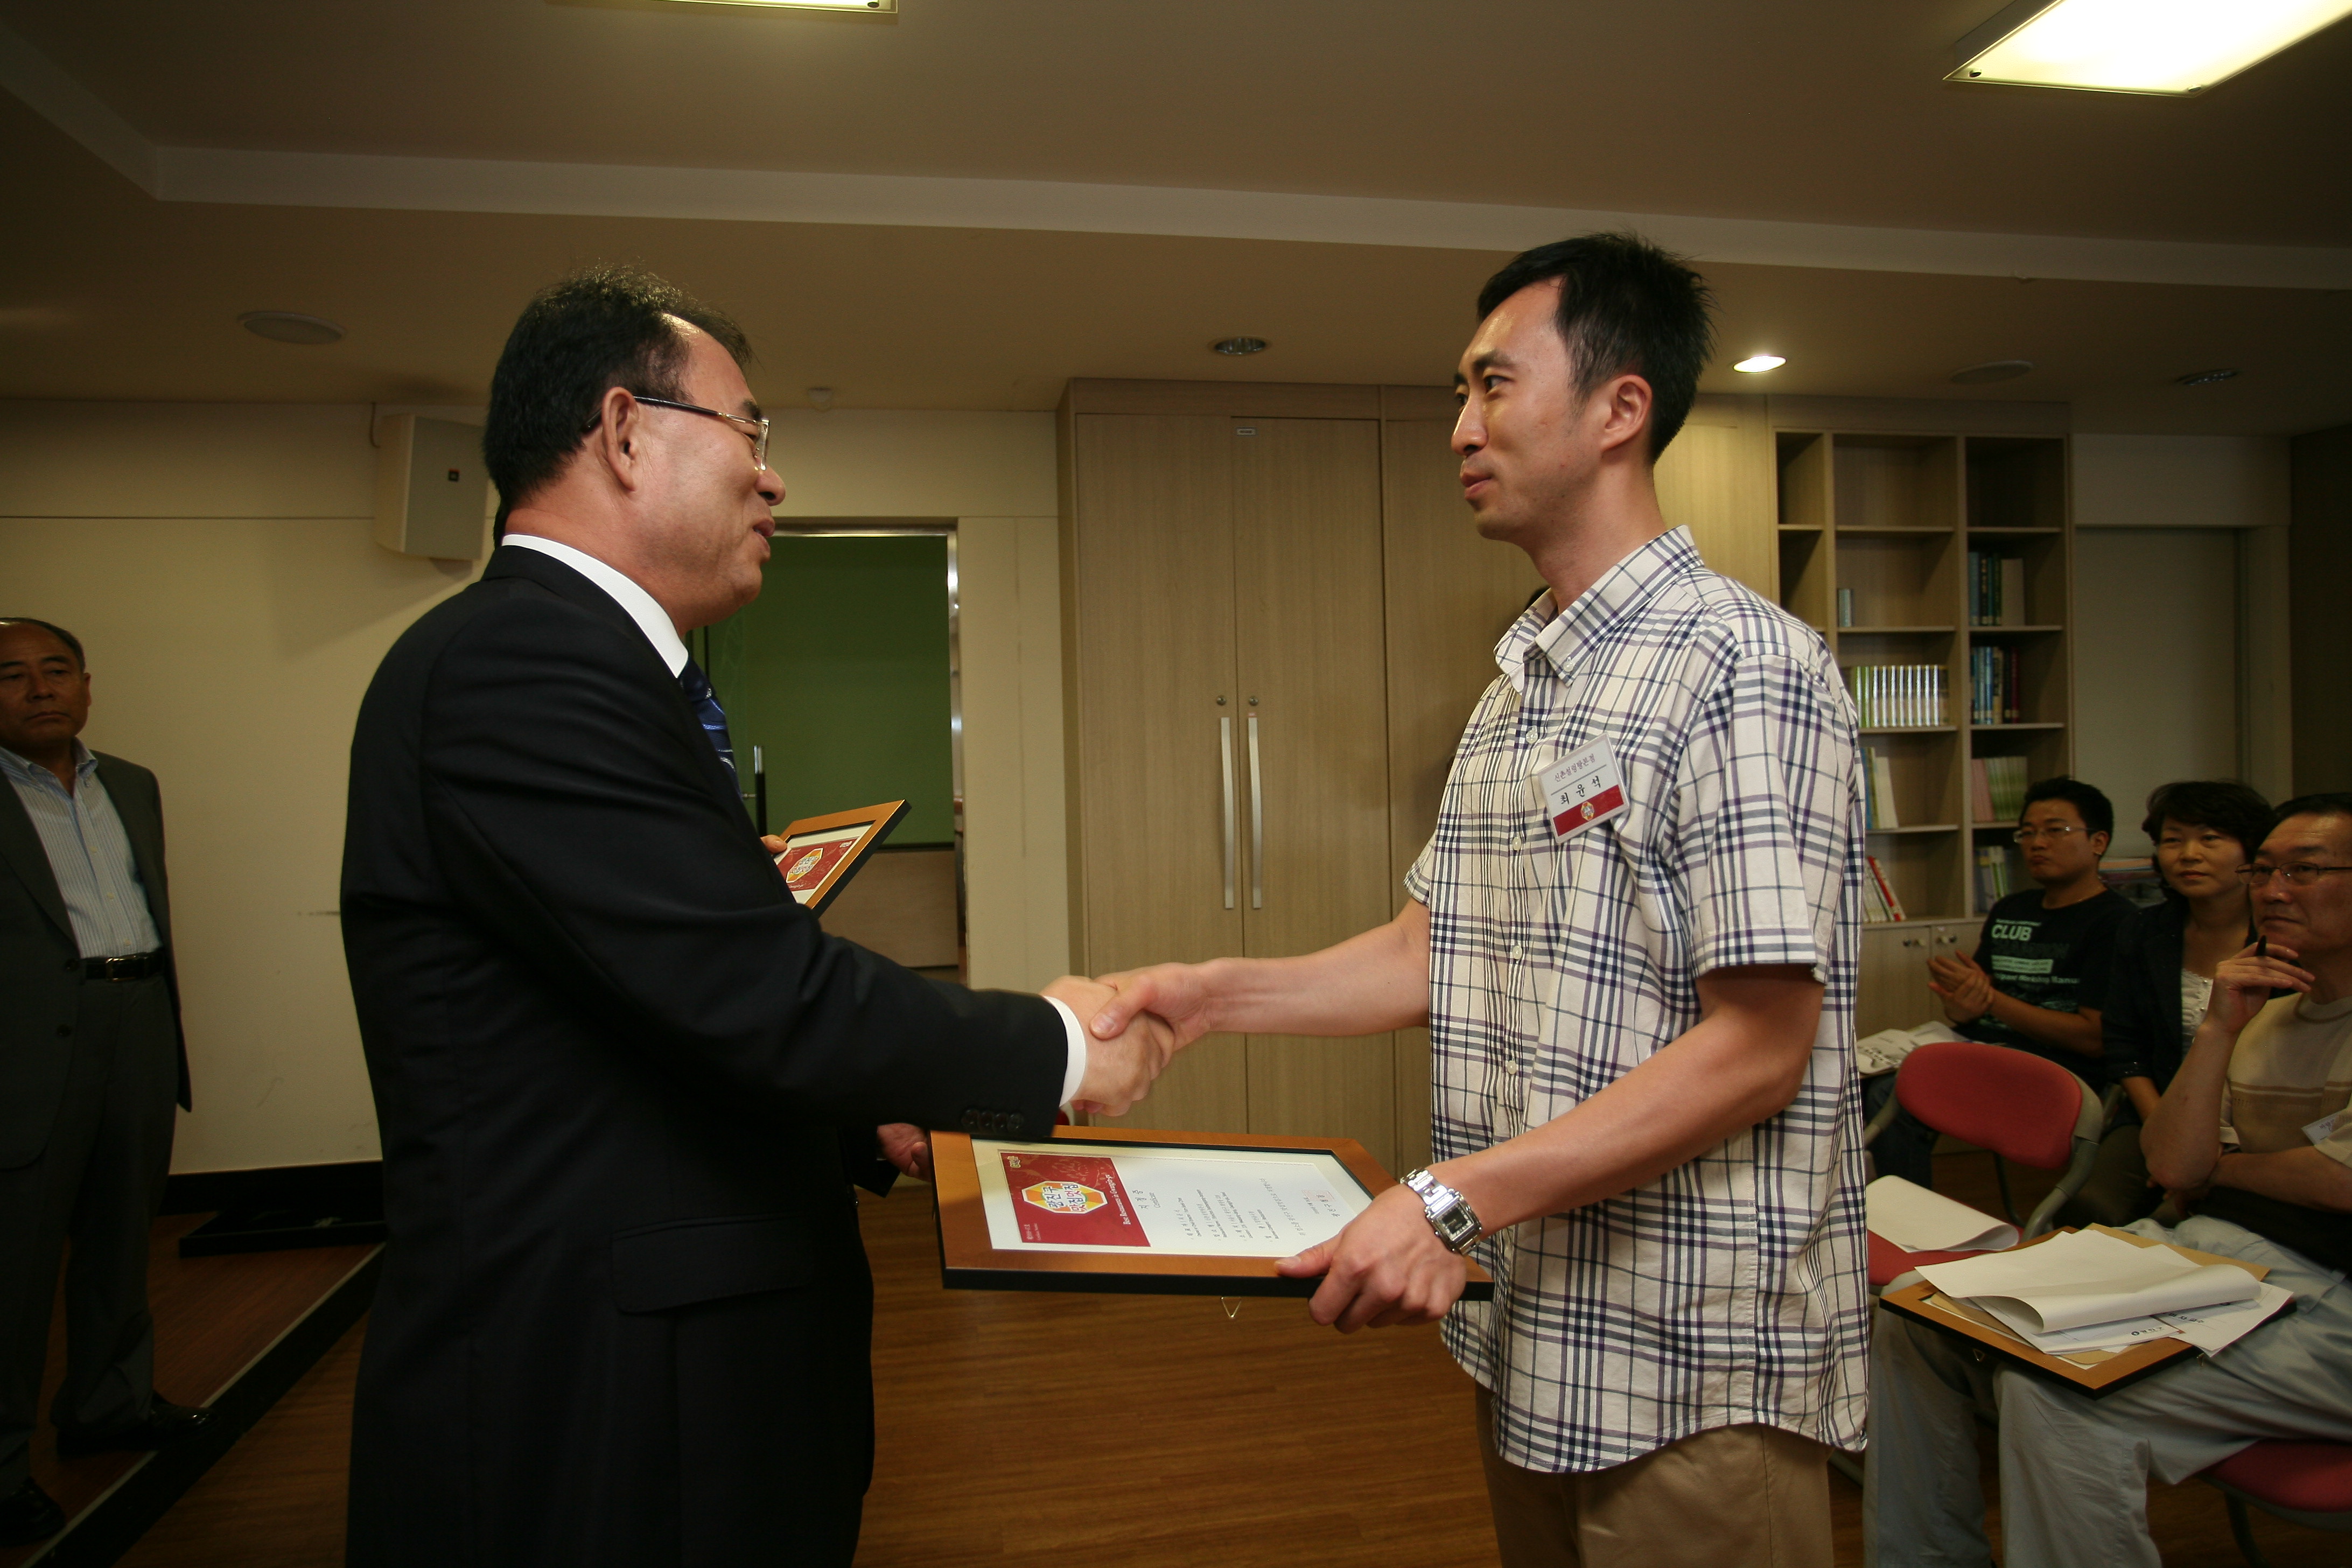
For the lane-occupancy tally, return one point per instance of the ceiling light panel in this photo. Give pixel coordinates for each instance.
(1755, 364)
(2176, 47)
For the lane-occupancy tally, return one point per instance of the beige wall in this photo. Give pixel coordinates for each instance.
(217, 561)
(2181, 657)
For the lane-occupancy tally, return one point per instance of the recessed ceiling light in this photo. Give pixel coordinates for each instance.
(1239, 346)
(291, 327)
(821, 399)
(2172, 46)
(2205, 377)
(1993, 370)
(1754, 362)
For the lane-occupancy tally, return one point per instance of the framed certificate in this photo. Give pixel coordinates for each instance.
(1117, 1209)
(822, 853)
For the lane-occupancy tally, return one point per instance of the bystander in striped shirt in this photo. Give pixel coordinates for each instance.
(90, 855)
(1730, 1291)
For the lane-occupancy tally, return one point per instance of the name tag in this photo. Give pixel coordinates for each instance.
(2318, 1132)
(1580, 789)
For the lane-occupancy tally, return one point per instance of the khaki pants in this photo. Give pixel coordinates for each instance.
(1750, 1495)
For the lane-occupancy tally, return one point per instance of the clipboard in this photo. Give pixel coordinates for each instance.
(1921, 1304)
(822, 853)
(971, 1259)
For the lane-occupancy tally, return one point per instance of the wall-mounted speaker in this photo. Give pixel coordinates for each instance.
(432, 492)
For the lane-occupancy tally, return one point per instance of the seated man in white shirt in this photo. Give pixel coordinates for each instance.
(2250, 1135)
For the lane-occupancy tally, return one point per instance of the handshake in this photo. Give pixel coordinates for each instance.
(1136, 1022)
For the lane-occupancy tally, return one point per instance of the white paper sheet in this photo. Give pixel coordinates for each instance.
(1917, 1220)
(1198, 1202)
(2084, 1277)
(2212, 1329)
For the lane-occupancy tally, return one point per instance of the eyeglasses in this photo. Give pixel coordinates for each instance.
(2293, 875)
(754, 431)
(2055, 832)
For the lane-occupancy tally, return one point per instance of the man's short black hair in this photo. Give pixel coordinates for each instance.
(2327, 803)
(2224, 806)
(73, 643)
(1627, 307)
(600, 328)
(2098, 813)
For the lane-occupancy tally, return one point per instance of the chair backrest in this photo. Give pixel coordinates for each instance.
(2011, 1102)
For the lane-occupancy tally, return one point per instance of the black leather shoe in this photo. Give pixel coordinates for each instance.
(29, 1514)
(167, 1426)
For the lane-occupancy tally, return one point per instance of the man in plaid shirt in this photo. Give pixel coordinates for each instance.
(1632, 938)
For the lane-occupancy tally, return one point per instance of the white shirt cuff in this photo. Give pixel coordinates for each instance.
(1076, 1073)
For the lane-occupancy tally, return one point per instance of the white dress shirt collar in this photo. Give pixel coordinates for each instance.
(642, 608)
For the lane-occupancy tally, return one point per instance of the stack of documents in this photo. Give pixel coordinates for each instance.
(1885, 1051)
(2087, 1290)
(1917, 1220)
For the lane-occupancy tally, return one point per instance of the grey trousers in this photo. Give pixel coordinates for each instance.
(99, 1183)
(2075, 1470)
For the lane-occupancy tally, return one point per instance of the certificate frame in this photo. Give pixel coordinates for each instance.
(969, 1260)
(862, 830)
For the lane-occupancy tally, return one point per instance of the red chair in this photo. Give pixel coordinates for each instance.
(2016, 1104)
(2307, 1483)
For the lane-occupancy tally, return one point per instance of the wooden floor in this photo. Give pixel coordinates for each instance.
(213, 1316)
(1138, 1432)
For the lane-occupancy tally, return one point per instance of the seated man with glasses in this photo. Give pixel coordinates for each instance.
(2040, 972)
(2251, 1134)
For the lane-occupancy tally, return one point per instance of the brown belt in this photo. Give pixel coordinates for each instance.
(136, 966)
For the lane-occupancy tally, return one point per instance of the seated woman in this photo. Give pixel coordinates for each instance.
(2203, 830)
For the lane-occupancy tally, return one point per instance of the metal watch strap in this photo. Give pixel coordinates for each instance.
(1448, 1211)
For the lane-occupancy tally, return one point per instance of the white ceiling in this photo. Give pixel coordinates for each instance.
(963, 206)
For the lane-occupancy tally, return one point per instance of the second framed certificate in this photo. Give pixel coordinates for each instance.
(1119, 1209)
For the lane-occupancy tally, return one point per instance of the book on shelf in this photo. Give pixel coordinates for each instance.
(1898, 696)
(1878, 790)
(1996, 589)
(1996, 789)
(1880, 906)
(1995, 685)
(2135, 876)
(1998, 874)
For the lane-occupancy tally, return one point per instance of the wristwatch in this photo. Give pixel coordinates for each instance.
(1450, 1213)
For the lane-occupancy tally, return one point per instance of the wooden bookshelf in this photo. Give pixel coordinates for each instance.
(1890, 517)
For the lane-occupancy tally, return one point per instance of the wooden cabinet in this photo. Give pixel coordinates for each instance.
(1229, 765)
(1278, 616)
(1894, 991)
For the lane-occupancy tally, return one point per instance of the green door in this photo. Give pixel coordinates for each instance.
(839, 673)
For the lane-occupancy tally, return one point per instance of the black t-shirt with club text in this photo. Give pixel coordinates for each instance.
(2056, 959)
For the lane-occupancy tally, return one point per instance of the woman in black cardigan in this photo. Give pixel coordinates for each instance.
(2203, 830)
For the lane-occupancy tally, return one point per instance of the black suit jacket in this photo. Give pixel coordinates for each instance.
(624, 1312)
(40, 963)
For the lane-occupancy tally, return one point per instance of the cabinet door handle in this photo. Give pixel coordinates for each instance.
(1257, 824)
(1225, 745)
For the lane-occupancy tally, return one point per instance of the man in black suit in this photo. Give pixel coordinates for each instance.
(623, 1081)
(90, 1065)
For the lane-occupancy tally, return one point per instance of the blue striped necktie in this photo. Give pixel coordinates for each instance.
(705, 709)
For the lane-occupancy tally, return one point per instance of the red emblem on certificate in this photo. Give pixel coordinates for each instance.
(1071, 1198)
(804, 869)
(822, 853)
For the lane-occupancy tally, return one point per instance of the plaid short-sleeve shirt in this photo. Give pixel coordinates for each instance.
(1731, 1290)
